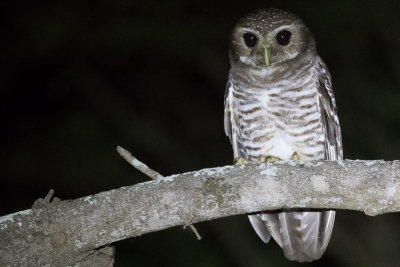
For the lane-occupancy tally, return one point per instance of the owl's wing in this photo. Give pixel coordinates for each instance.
(231, 122)
(330, 120)
(228, 110)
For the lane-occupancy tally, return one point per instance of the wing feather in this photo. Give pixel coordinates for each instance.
(330, 119)
(231, 122)
(228, 110)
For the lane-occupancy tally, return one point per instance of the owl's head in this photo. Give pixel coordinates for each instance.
(270, 36)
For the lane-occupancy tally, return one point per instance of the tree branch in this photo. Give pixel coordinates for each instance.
(65, 232)
(125, 154)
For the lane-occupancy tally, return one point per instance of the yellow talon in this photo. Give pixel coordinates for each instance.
(295, 156)
(240, 161)
(264, 158)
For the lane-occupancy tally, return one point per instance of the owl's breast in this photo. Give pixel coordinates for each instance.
(280, 121)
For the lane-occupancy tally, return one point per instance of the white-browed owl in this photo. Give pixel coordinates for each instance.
(279, 105)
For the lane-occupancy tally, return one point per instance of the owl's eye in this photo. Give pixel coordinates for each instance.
(250, 39)
(283, 37)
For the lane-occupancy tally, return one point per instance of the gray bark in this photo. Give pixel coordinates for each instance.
(69, 232)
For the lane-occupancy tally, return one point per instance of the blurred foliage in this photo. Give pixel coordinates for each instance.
(79, 78)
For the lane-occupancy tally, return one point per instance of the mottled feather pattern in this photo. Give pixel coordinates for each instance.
(278, 110)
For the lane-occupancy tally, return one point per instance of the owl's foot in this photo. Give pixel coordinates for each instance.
(295, 156)
(240, 161)
(264, 158)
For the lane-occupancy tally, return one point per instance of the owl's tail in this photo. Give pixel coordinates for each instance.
(303, 236)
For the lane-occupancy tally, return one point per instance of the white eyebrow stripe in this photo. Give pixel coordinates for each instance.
(250, 30)
(283, 27)
(245, 29)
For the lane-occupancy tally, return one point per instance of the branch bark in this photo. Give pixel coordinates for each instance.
(68, 232)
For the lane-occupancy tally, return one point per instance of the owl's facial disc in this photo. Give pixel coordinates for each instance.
(263, 48)
(256, 48)
(269, 37)
(267, 47)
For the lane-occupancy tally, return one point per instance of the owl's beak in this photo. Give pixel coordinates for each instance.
(266, 55)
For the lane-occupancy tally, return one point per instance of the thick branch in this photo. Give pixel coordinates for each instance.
(64, 232)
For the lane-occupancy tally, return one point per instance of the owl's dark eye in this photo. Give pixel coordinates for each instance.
(283, 37)
(250, 39)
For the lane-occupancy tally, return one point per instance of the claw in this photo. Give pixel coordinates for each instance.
(240, 161)
(295, 156)
(265, 158)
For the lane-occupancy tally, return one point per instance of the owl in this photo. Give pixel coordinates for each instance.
(279, 105)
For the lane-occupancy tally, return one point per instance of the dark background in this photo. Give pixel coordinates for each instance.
(78, 79)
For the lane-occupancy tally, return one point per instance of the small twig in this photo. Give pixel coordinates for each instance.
(195, 231)
(49, 196)
(149, 172)
(191, 226)
(138, 164)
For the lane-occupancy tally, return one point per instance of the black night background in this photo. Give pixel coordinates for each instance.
(79, 78)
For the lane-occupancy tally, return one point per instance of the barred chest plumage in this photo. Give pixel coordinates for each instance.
(277, 116)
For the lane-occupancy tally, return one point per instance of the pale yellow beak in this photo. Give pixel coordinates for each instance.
(266, 55)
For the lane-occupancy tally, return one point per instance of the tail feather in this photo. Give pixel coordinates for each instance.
(291, 235)
(260, 227)
(273, 224)
(303, 236)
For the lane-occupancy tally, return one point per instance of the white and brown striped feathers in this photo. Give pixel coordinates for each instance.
(278, 104)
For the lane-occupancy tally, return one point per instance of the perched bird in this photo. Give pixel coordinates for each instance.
(279, 105)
